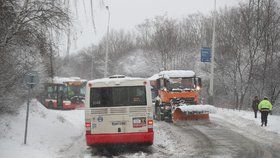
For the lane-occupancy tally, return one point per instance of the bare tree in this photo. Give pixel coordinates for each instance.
(25, 37)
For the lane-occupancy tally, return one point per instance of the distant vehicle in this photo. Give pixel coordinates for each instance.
(118, 109)
(64, 93)
(172, 89)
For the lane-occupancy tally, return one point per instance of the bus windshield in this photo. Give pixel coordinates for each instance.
(53, 90)
(118, 96)
(75, 91)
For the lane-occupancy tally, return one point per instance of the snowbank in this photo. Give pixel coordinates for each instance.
(50, 132)
(246, 120)
(198, 109)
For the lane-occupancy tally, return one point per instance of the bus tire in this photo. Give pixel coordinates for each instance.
(148, 144)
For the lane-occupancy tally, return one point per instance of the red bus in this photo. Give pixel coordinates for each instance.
(64, 93)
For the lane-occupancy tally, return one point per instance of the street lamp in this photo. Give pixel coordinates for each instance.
(107, 44)
(213, 56)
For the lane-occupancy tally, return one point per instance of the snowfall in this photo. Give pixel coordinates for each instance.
(55, 133)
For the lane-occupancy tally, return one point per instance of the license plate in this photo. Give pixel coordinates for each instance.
(139, 122)
(136, 121)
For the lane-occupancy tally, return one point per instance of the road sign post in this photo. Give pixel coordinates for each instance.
(30, 79)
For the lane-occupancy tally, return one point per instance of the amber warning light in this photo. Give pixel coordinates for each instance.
(90, 84)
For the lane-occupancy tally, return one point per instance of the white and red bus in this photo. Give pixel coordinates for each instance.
(118, 109)
(64, 93)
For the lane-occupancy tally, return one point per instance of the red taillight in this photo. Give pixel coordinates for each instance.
(88, 127)
(150, 122)
(88, 124)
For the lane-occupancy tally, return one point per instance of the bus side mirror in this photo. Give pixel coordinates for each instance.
(199, 82)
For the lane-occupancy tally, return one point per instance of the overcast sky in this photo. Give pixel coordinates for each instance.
(126, 14)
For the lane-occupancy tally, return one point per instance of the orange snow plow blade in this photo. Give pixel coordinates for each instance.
(178, 115)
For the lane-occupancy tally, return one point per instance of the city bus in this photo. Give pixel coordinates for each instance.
(118, 110)
(64, 93)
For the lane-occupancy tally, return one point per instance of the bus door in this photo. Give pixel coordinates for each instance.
(60, 96)
(50, 98)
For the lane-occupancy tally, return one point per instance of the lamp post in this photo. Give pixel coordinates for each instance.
(107, 44)
(213, 56)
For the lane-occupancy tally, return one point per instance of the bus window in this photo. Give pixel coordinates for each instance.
(83, 91)
(137, 95)
(118, 96)
(50, 92)
(100, 97)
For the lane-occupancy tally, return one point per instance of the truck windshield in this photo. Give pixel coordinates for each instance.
(118, 96)
(74, 91)
(181, 83)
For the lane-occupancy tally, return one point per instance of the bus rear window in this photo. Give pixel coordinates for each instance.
(118, 96)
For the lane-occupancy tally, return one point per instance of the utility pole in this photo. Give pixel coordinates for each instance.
(107, 44)
(211, 91)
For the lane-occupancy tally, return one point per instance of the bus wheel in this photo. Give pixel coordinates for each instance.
(148, 144)
(50, 104)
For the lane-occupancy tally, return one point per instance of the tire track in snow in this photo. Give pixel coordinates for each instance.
(266, 145)
(211, 139)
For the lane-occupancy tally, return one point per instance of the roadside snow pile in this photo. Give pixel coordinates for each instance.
(198, 108)
(247, 120)
(50, 132)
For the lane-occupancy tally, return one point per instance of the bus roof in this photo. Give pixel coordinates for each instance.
(172, 74)
(62, 80)
(115, 82)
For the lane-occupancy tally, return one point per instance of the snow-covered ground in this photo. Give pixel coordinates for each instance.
(247, 121)
(50, 133)
(54, 133)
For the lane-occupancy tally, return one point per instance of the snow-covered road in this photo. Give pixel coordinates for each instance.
(198, 139)
(60, 134)
(215, 139)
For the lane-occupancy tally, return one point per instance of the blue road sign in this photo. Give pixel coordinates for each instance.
(205, 54)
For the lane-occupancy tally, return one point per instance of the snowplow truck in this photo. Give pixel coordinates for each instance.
(175, 88)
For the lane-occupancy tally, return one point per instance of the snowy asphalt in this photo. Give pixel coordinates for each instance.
(214, 139)
(60, 134)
